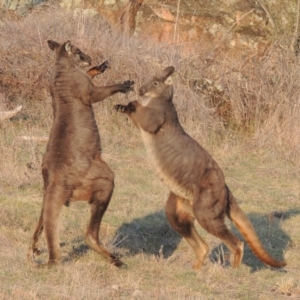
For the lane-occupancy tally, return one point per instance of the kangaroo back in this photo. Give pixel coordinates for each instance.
(240, 220)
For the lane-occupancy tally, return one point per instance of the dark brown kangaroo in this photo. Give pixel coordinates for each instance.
(197, 184)
(72, 167)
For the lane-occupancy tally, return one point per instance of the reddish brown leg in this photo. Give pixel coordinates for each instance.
(37, 233)
(211, 218)
(99, 202)
(54, 200)
(180, 215)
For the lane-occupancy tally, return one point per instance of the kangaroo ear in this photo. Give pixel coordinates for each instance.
(53, 45)
(167, 72)
(168, 81)
(68, 47)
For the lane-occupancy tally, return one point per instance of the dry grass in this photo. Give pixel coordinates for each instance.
(256, 142)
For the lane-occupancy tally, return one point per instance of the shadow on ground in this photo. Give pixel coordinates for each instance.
(267, 227)
(153, 235)
(150, 234)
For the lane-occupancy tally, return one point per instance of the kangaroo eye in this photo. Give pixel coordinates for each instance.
(155, 83)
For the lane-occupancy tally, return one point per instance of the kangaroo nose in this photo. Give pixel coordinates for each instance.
(142, 91)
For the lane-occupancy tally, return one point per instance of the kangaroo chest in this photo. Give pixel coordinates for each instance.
(167, 164)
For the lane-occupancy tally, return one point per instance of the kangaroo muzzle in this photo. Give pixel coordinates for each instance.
(142, 91)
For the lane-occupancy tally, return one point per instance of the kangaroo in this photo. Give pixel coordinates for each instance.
(72, 167)
(197, 184)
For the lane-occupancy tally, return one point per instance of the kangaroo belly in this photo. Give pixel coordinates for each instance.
(168, 166)
(176, 187)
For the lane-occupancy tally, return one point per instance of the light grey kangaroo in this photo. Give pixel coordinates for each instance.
(197, 184)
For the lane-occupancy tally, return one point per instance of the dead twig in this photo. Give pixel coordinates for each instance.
(4, 115)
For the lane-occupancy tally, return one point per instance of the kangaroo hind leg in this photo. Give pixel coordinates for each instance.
(37, 234)
(103, 188)
(210, 214)
(219, 229)
(55, 197)
(181, 217)
(33, 250)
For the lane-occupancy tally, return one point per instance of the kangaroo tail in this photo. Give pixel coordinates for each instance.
(240, 220)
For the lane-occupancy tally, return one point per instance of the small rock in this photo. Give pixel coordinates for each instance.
(137, 294)
(115, 287)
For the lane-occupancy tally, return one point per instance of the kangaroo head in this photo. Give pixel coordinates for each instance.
(74, 54)
(160, 86)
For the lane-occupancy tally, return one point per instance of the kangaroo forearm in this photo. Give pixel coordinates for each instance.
(101, 93)
(98, 69)
(146, 118)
